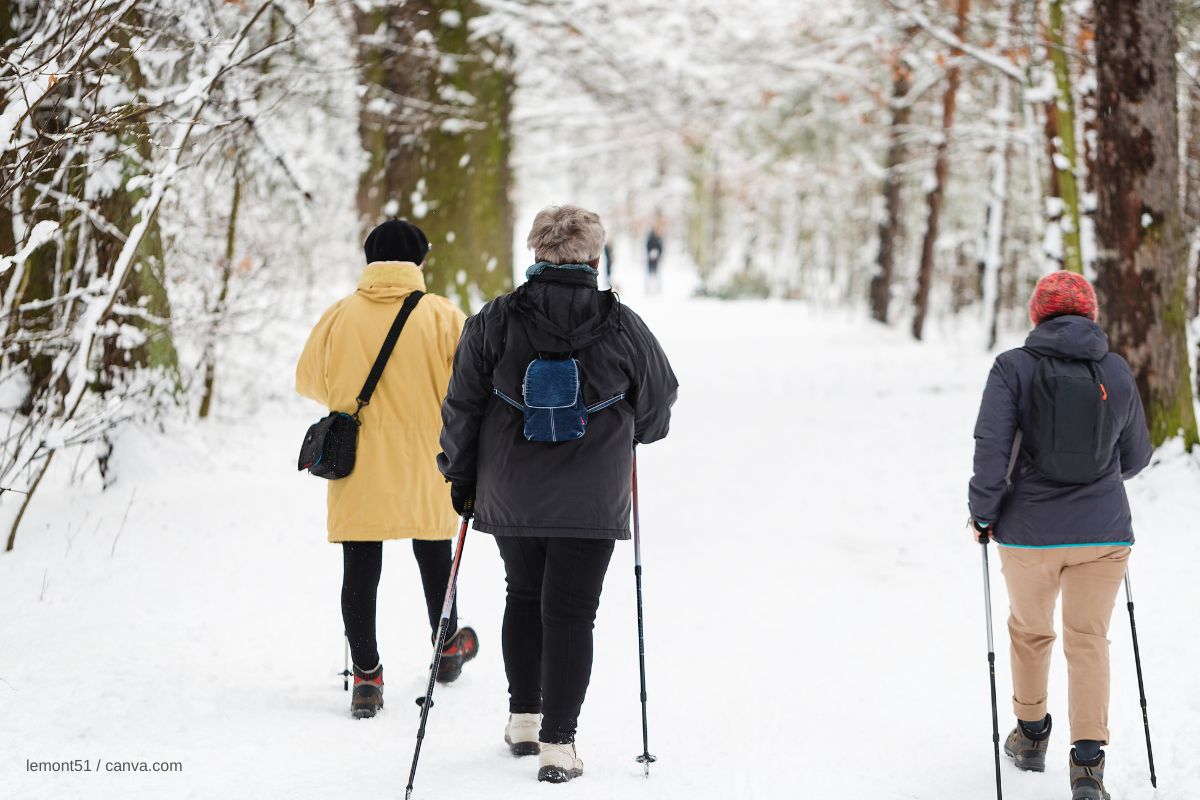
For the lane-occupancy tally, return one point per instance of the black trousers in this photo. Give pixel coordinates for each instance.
(362, 563)
(554, 589)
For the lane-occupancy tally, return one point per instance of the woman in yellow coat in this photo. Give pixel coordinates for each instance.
(395, 490)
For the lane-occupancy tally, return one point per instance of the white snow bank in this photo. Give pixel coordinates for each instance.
(814, 614)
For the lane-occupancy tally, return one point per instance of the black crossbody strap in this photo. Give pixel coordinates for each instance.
(385, 352)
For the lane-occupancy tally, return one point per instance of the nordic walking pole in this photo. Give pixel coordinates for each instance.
(447, 605)
(987, 604)
(1137, 657)
(345, 673)
(645, 758)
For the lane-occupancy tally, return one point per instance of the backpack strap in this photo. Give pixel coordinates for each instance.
(1016, 445)
(592, 409)
(389, 344)
(518, 406)
(1012, 459)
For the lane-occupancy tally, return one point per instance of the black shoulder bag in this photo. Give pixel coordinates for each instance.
(330, 445)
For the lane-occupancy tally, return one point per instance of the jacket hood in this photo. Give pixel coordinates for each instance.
(563, 311)
(383, 281)
(1069, 337)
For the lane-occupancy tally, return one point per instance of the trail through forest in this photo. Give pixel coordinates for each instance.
(814, 611)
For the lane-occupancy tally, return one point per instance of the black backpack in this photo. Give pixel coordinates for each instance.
(1072, 430)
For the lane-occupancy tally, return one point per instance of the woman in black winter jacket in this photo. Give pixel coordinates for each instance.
(553, 486)
(1060, 428)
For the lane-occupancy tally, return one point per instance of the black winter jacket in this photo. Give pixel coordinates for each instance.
(1037, 511)
(579, 488)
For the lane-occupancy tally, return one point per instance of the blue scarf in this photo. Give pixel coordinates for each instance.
(542, 266)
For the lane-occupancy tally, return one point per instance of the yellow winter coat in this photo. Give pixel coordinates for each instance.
(395, 491)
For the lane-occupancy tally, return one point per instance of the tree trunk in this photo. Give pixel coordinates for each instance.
(1141, 265)
(143, 302)
(1191, 207)
(941, 171)
(442, 161)
(1088, 110)
(218, 311)
(1063, 157)
(999, 164)
(891, 224)
(704, 215)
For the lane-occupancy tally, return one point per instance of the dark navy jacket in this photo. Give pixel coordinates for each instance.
(1037, 511)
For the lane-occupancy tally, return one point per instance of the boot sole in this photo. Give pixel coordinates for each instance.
(1026, 766)
(519, 749)
(558, 774)
(364, 713)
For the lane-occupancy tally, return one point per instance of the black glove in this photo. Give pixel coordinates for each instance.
(462, 497)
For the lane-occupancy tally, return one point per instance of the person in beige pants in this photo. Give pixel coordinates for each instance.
(1060, 428)
(1089, 579)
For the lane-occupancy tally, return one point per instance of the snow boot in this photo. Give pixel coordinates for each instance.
(460, 648)
(1028, 750)
(521, 734)
(558, 763)
(368, 692)
(1087, 779)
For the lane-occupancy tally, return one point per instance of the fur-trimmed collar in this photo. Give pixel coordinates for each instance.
(392, 274)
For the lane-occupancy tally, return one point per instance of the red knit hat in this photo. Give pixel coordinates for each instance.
(1061, 293)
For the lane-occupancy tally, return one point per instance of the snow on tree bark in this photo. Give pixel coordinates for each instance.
(892, 223)
(1062, 143)
(999, 164)
(941, 173)
(1141, 265)
(436, 129)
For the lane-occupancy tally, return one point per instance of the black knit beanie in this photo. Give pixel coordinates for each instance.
(396, 240)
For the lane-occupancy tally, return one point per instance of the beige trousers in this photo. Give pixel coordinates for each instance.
(1089, 578)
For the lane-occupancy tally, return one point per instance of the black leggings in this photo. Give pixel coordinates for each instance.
(362, 563)
(554, 589)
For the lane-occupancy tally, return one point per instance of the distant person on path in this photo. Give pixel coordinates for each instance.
(395, 490)
(553, 486)
(654, 248)
(1064, 523)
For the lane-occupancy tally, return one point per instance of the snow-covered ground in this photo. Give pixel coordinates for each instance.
(814, 609)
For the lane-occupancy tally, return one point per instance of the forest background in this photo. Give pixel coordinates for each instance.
(177, 179)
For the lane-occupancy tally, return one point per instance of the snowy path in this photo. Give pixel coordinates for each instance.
(814, 612)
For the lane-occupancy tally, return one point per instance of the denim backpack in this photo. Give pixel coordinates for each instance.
(554, 409)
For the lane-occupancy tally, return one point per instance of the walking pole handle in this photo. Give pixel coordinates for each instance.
(991, 657)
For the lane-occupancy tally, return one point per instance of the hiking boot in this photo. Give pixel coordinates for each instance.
(368, 692)
(521, 734)
(558, 763)
(460, 648)
(1028, 750)
(1087, 779)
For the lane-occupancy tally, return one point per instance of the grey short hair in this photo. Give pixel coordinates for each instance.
(566, 235)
